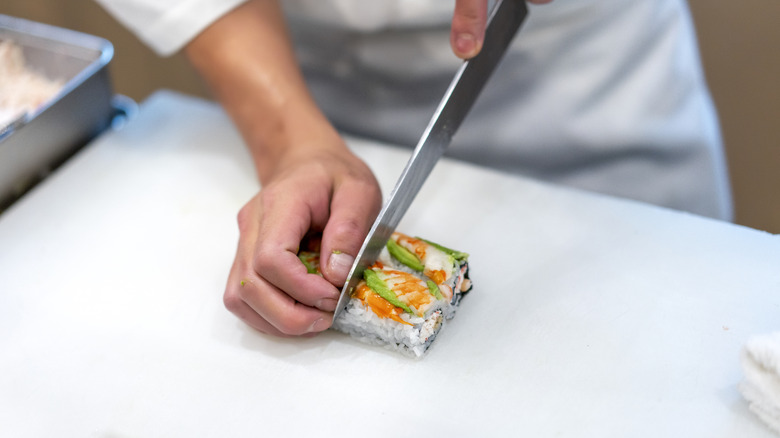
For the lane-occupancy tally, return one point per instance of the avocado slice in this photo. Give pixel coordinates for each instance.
(380, 287)
(404, 256)
(310, 268)
(459, 255)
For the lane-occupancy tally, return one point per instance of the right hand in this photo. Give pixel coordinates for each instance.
(324, 189)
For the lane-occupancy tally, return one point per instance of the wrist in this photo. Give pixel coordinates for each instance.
(289, 135)
(247, 59)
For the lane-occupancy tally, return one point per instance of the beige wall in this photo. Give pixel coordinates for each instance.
(739, 43)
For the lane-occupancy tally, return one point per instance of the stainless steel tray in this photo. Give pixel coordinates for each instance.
(35, 144)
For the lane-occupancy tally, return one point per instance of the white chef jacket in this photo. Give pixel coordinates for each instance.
(605, 95)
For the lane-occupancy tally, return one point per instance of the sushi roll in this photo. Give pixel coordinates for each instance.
(406, 296)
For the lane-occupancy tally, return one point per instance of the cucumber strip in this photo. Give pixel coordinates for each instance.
(434, 288)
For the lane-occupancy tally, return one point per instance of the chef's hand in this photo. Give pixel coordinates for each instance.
(310, 180)
(328, 190)
(468, 26)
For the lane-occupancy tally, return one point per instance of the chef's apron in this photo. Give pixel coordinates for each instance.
(603, 95)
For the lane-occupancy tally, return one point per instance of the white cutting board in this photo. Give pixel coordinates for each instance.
(590, 316)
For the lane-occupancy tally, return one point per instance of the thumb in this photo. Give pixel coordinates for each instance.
(354, 207)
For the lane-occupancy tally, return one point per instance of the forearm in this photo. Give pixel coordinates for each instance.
(247, 59)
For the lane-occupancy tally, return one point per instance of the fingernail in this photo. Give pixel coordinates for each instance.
(466, 44)
(327, 304)
(319, 325)
(339, 264)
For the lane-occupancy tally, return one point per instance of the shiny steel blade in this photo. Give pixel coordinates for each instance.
(503, 23)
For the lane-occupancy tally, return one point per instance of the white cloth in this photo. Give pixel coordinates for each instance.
(167, 25)
(605, 95)
(761, 387)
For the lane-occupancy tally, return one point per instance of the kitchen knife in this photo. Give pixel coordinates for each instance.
(503, 23)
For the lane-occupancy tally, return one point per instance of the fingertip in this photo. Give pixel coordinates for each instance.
(468, 27)
(320, 325)
(466, 45)
(327, 304)
(337, 267)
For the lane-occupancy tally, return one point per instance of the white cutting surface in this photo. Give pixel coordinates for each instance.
(590, 316)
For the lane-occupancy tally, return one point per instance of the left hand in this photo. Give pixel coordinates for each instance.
(468, 26)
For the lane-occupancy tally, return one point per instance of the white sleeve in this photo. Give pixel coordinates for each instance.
(167, 25)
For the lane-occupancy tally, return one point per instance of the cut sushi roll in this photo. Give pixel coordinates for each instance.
(446, 268)
(405, 298)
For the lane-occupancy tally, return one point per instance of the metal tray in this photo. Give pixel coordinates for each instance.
(38, 142)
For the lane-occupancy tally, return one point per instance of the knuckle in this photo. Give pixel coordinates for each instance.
(469, 13)
(264, 260)
(243, 218)
(369, 187)
(244, 294)
(267, 198)
(376, 197)
(348, 227)
(232, 301)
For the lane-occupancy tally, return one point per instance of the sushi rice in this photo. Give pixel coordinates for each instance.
(415, 286)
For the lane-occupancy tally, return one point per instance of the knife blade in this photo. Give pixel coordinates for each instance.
(504, 21)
